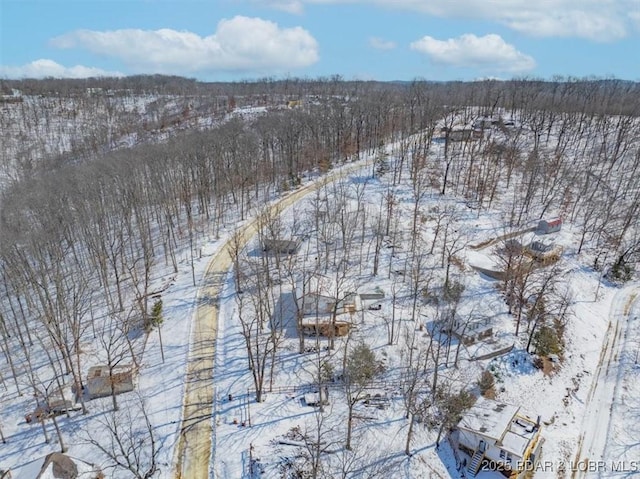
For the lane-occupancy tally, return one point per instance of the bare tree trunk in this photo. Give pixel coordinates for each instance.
(63, 447)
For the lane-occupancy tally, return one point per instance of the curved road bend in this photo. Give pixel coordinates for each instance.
(193, 450)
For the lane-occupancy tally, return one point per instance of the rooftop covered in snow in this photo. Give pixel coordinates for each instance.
(501, 422)
(489, 418)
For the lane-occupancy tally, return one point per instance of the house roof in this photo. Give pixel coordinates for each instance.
(472, 328)
(56, 466)
(515, 443)
(103, 370)
(342, 299)
(281, 243)
(314, 294)
(371, 294)
(541, 247)
(512, 431)
(489, 418)
(521, 431)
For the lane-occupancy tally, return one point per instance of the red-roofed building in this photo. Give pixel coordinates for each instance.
(550, 226)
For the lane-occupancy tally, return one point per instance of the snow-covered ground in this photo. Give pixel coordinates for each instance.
(275, 429)
(559, 398)
(160, 383)
(280, 432)
(619, 452)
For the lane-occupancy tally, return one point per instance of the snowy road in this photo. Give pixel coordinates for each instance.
(590, 460)
(193, 451)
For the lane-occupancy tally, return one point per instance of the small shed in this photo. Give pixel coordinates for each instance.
(99, 380)
(372, 299)
(280, 246)
(549, 226)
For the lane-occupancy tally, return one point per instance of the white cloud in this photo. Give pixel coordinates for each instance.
(598, 20)
(48, 68)
(593, 25)
(290, 6)
(489, 52)
(635, 17)
(238, 44)
(381, 44)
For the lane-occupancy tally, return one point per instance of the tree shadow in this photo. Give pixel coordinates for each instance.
(284, 317)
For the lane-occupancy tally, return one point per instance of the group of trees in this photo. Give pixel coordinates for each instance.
(85, 228)
(346, 231)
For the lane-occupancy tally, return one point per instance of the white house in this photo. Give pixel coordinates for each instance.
(499, 435)
(469, 330)
(319, 301)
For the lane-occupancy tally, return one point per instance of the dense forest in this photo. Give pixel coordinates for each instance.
(102, 180)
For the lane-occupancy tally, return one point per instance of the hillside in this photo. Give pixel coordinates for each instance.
(114, 204)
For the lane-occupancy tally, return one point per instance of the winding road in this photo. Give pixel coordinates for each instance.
(193, 451)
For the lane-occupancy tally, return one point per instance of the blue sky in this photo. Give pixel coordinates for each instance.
(221, 40)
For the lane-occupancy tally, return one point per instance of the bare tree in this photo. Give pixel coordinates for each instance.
(256, 315)
(414, 382)
(128, 439)
(117, 348)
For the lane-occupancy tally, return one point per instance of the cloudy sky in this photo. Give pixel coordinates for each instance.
(357, 39)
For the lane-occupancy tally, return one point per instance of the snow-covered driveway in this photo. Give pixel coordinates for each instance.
(596, 456)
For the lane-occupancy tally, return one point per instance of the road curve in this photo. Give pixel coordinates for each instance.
(193, 450)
